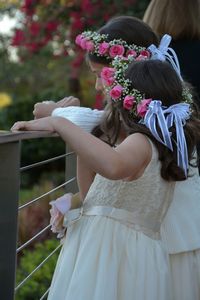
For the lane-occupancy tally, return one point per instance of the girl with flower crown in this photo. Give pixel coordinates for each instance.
(113, 248)
(183, 213)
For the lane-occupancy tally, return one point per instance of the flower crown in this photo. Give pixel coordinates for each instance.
(120, 88)
(97, 44)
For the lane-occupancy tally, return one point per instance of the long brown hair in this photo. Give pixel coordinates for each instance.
(179, 18)
(130, 29)
(159, 81)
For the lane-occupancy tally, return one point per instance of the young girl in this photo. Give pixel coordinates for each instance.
(113, 248)
(180, 229)
(129, 29)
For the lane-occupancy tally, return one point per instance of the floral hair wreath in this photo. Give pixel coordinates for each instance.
(97, 44)
(120, 89)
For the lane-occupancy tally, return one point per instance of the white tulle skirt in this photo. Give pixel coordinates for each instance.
(185, 272)
(102, 259)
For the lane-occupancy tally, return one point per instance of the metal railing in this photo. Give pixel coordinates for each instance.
(10, 146)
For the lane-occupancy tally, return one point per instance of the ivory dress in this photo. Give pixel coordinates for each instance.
(112, 249)
(180, 230)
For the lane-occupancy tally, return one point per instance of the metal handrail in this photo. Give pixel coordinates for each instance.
(33, 238)
(37, 268)
(9, 191)
(43, 162)
(43, 296)
(47, 193)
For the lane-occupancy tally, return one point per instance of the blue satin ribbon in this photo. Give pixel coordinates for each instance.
(176, 114)
(163, 52)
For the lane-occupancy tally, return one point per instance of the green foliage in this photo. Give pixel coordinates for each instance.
(36, 286)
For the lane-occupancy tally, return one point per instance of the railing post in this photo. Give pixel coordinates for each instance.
(9, 192)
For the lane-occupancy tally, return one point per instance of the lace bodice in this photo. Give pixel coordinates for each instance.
(147, 197)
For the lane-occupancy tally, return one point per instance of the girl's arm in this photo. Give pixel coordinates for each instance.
(85, 177)
(128, 159)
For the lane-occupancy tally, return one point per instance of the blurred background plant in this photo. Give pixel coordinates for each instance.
(37, 285)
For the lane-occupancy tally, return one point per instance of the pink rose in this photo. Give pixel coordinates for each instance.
(116, 50)
(141, 57)
(131, 52)
(107, 73)
(116, 92)
(128, 102)
(83, 43)
(89, 46)
(56, 220)
(142, 107)
(145, 53)
(109, 81)
(103, 48)
(78, 39)
(59, 207)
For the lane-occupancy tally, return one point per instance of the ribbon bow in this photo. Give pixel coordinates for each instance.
(163, 52)
(165, 117)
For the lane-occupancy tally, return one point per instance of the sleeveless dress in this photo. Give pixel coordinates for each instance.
(180, 230)
(112, 250)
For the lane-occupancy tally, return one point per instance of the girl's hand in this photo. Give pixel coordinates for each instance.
(68, 101)
(44, 109)
(43, 124)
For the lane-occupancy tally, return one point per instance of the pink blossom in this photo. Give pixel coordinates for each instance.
(52, 26)
(128, 102)
(59, 207)
(142, 107)
(18, 38)
(83, 43)
(116, 92)
(89, 46)
(103, 48)
(131, 52)
(145, 53)
(35, 28)
(109, 81)
(107, 73)
(116, 50)
(56, 219)
(78, 39)
(141, 57)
